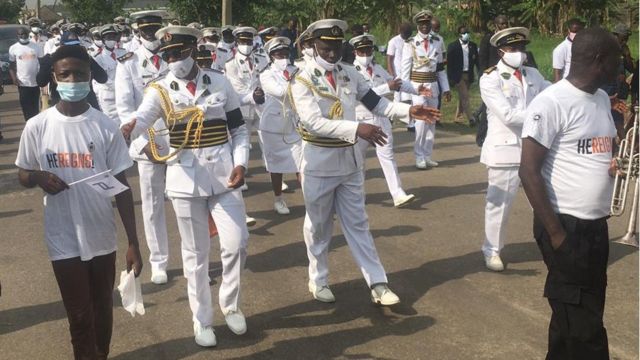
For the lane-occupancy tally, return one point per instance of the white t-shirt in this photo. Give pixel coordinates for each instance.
(78, 221)
(394, 48)
(465, 56)
(578, 130)
(26, 59)
(562, 57)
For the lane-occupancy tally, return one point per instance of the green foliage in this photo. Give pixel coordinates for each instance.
(94, 11)
(203, 11)
(10, 9)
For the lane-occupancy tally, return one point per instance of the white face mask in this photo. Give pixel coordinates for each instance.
(364, 60)
(307, 53)
(110, 44)
(150, 45)
(35, 30)
(125, 39)
(514, 59)
(465, 37)
(245, 49)
(280, 64)
(211, 46)
(324, 63)
(181, 69)
(98, 43)
(23, 41)
(423, 36)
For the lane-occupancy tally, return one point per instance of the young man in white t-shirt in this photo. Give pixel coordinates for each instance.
(567, 172)
(23, 68)
(66, 143)
(562, 53)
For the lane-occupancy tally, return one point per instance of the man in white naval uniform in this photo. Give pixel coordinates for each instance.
(210, 41)
(205, 169)
(133, 73)
(506, 89)
(382, 84)
(422, 64)
(325, 94)
(107, 59)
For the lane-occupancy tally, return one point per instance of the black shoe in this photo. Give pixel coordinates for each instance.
(411, 129)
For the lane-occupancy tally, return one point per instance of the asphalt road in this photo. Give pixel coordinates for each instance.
(452, 308)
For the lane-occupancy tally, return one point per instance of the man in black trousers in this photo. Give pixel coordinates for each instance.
(462, 57)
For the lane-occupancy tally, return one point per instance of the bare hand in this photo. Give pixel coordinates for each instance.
(614, 167)
(134, 259)
(447, 96)
(395, 84)
(372, 134)
(423, 91)
(237, 177)
(258, 96)
(128, 128)
(425, 113)
(49, 182)
(558, 239)
(618, 105)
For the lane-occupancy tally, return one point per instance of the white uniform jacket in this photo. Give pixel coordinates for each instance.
(106, 92)
(313, 110)
(507, 99)
(243, 73)
(415, 58)
(134, 71)
(276, 111)
(199, 172)
(379, 83)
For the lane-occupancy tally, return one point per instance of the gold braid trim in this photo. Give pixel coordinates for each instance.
(171, 118)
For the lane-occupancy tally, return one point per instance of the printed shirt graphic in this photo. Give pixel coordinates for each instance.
(78, 221)
(26, 59)
(578, 130)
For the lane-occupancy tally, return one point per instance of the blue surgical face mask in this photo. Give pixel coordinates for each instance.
(73, 91)
(465, 37)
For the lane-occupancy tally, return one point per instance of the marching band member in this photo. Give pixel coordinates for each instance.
(205, 169)
(506, 89)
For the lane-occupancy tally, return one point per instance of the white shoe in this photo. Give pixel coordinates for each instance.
(431, 163)
(236, 322)
(204, 335)
(421, 164)
(285, 187)
(244, 187)
(250, 221)
(494, 263)
(322, 293)
(404, 200)
(281, 207)
(381, 295)
(158, 277)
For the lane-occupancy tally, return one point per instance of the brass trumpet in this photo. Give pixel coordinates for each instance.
(628, 160)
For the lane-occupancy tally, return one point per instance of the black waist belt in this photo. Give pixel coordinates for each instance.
(423, 77)
(323, 141)
(214, 132)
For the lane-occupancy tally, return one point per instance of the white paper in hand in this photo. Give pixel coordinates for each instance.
(131, 293)
(106, 185)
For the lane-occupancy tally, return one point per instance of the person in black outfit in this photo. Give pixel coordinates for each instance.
(348, 53)
(44, 76)
(462, 57)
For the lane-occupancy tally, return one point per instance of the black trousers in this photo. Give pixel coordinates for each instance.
(575, 288)
(29, 101)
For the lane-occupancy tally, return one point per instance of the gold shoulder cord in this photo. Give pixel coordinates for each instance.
(172, 117)
(336, 110)
(417, 62)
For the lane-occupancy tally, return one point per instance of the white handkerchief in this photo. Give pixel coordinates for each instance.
(131, 293)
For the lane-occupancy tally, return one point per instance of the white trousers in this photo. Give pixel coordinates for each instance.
(385, 157)
(152, 187)
(228, 213)
(425, 132)
(503, 186)
(344, 196)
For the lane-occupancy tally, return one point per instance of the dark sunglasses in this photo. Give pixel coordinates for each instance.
(175, 53)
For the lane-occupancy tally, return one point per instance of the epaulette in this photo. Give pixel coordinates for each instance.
(299, 60)
(294, 73)
(164, 74)
(345, 63)
(212, 70)
(260, 71)
(222, 49)
(489, 70)
(435, 37)
(125, 57)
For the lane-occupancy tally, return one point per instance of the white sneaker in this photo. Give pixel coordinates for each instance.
(244, 187)
(285, 187)
(281, 207)
(204, 335)
(158, 277)
(431, 163)
(322, 293)
(381, 295)
(421, 164)
(404, 200)
(494, 263)
(236, 322)
(250, 221)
